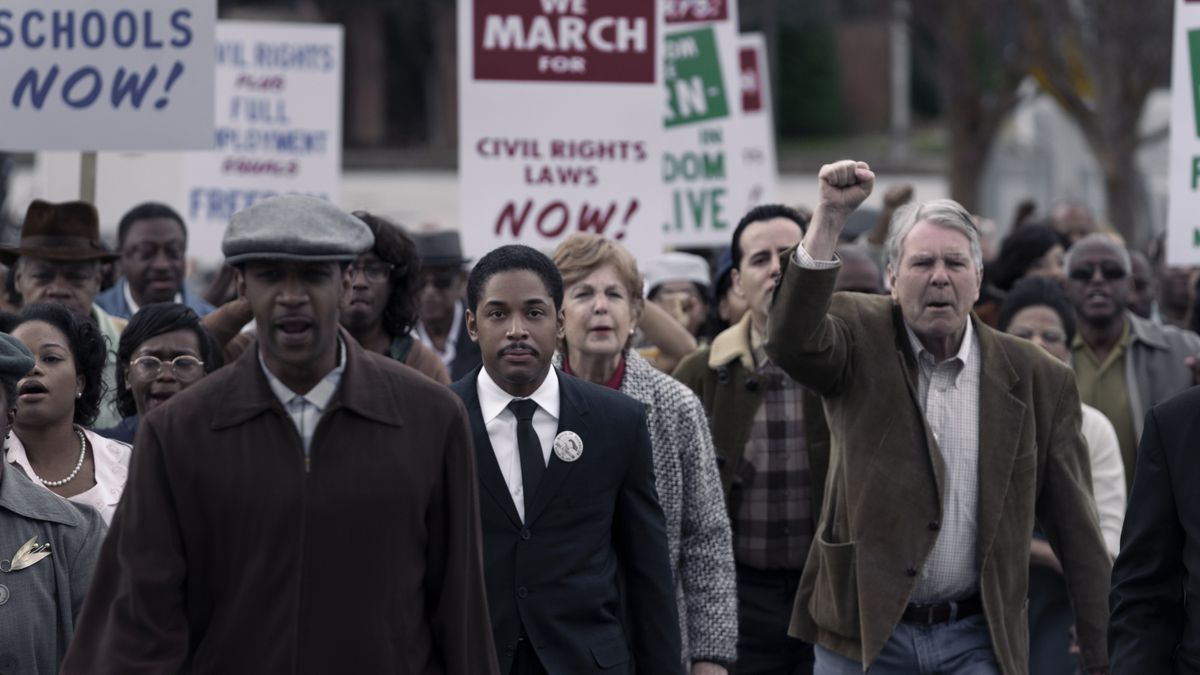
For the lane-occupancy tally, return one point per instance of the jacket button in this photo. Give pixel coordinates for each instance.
(522, 593)
(751, 385)
(4, 594)
(912, 571)
(935, 525)
(526, 534)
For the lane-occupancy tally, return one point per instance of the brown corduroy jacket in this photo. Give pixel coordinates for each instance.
(883, 493)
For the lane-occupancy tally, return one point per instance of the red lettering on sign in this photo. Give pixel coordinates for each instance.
(565, 40)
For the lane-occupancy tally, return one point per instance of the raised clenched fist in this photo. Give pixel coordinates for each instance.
(845, 185)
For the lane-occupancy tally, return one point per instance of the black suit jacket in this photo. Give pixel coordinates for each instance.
(1155, 626)
(556, 574)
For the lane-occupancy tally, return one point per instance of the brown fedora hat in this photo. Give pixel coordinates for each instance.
(67, 231)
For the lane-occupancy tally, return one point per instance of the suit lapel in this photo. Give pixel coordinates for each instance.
(485, 457)
(1000, 418)
(572, 412)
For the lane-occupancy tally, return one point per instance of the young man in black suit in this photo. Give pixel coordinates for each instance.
(1155, 624)
(568, 487)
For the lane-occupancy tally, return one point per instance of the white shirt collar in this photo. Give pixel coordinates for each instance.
(133, 306)
(493, 400)
(320, 394)
(964, 348)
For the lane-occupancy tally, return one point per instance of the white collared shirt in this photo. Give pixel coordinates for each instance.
(110, 460)
(501, 426)
(306, 410)
(134, 307)
(447, 355)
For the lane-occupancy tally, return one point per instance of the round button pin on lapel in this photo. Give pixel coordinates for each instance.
(568, 446)
(3, 594)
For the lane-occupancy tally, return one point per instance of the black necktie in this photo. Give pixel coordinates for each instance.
(530, 447)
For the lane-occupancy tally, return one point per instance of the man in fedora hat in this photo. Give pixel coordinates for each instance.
(443, 284)
(57, 261)
(309, 508)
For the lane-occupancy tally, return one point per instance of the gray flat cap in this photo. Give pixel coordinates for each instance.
(15, 360)
(294, 227)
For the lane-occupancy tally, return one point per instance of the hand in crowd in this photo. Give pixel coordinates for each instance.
(707, 668)
(680, 306)
(897, 196)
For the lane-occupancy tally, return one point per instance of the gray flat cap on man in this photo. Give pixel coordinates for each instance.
(294, 227)
(15, 360)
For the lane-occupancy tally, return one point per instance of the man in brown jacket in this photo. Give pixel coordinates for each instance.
(948, 439)
(310, 508)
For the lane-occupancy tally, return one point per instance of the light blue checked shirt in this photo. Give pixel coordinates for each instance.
(306, 410)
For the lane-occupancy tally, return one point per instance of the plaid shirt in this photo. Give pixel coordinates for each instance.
(772, 512)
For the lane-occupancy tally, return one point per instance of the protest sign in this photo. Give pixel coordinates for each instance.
(757, 174)
(701, 141)
(1183, 201)
(77, 75)
(556, 133)
(278, 123)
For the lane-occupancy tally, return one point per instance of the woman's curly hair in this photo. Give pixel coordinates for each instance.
(89, 349)
(393, 246)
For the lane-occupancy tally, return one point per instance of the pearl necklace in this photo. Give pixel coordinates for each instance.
(78, 465)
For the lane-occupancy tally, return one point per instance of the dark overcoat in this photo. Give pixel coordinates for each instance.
(230, 554)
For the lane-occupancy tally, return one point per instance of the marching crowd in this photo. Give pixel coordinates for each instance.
(918, 450)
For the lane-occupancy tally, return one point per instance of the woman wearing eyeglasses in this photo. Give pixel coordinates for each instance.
(162, 351)
(56, 401)
(380, 307)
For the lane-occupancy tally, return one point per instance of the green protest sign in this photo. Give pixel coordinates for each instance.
(695, 86)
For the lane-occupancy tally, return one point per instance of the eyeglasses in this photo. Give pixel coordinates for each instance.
(185, 368)
(1110, 272)
(376, 272)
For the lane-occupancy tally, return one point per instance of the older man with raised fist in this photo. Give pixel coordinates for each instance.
(947, 440)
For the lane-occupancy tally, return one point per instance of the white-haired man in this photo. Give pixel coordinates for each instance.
(947, 439)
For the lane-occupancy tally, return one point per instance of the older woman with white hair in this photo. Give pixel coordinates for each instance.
(602, 304)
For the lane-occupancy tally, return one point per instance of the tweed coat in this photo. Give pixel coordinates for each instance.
(232, 551)
(883, 497)
(39, 604)
(689, 491)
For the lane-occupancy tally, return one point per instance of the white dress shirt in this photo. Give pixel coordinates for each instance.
(501, 426)
(306, 410)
